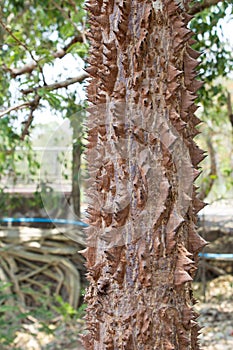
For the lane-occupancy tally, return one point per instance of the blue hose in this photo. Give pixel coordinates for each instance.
(216, 256)
(44, 220)
(82, 224)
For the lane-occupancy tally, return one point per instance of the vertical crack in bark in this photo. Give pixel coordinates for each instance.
(142, 240)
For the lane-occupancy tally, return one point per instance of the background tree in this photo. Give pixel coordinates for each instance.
(215, 65)
(34, 36)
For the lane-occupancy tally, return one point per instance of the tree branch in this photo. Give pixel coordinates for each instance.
(29, 67)
(33, 105)
(200, 6)
(61, 53)
(20, 43)
(229, 109)
(14, 108)
(36, 62)
(58, 85)
(65, 14)
(208, 184)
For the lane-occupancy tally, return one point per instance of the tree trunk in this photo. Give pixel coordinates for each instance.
(142, 241)
(76, 120)
(76, 163)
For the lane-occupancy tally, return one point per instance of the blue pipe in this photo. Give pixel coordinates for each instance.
(216, 256)
(44, 220)
(82, 224)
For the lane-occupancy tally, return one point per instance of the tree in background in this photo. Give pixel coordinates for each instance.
(142, 241)
(215, 65)
(34, 36)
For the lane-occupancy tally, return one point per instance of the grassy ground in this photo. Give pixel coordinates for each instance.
(216, 316)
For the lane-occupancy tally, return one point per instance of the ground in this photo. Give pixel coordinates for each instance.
(217, 320)
(216, 316)
(216, 313)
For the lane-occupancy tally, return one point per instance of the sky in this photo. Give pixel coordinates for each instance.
(227, 26)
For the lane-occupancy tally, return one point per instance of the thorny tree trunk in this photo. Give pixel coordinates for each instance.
(142, 241)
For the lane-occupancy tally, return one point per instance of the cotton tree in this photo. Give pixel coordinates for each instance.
(142, 242)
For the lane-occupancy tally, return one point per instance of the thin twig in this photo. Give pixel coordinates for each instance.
(61, 53)
(14, 108)
(18, 41)
(83, 30)
(58, 85)
(25, 47)
(29, 67)
(61, 9)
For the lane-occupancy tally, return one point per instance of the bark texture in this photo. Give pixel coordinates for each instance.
(142, 240)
